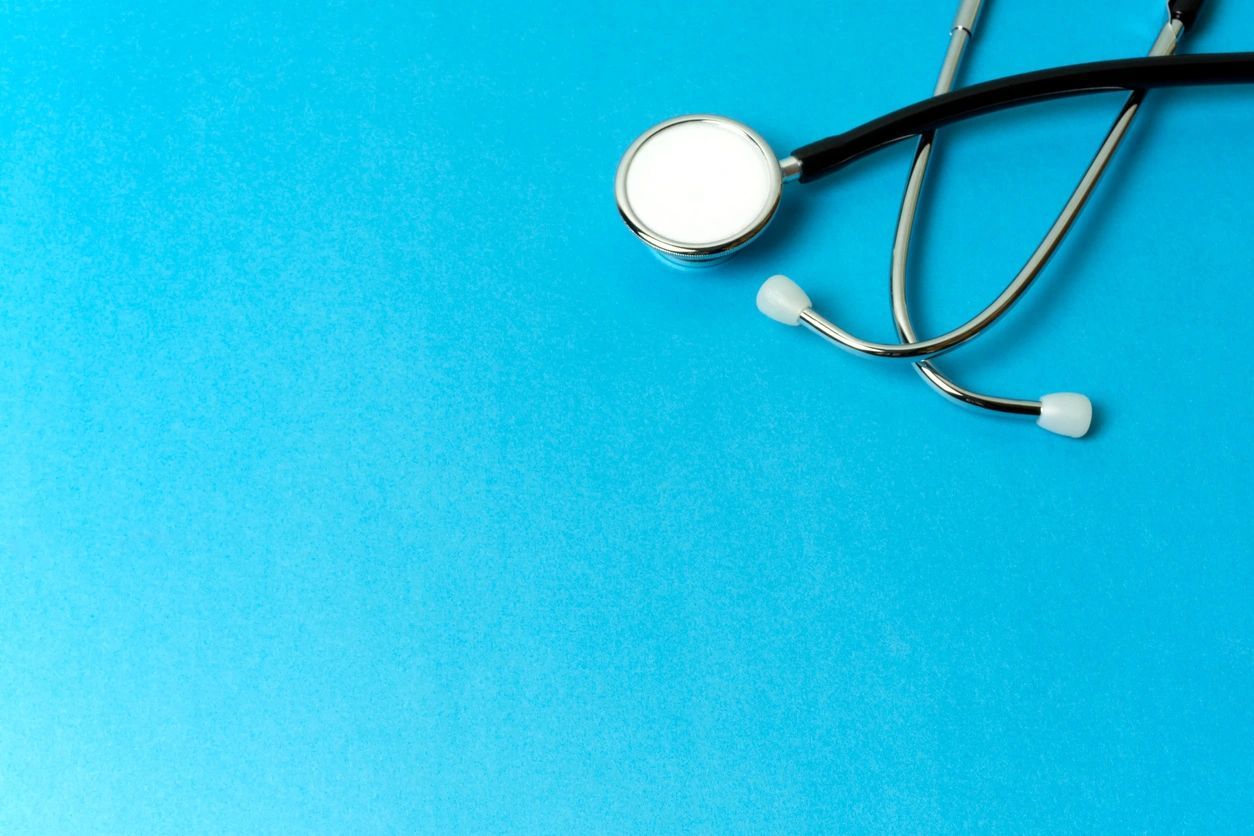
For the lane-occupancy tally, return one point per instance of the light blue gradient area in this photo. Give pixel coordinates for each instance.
(359, 473)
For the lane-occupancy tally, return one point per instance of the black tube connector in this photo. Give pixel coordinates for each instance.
(1185, 11)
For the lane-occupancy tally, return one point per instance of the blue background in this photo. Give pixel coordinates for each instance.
(360, 473)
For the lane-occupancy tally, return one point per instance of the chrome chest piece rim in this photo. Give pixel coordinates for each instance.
(697, 188)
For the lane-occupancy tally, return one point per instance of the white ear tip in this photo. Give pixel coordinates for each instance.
(1066, 413)
(782, 300)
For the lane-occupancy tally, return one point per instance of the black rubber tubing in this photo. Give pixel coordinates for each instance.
(821, 158)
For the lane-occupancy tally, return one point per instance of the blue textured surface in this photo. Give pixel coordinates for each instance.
(360, 473)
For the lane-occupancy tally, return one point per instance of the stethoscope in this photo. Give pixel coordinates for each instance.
(697, 188)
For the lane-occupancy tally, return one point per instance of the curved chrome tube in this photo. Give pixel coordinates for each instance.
(1164, 44)
(917, 350)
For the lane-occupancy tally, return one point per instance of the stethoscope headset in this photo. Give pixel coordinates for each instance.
(697, 188)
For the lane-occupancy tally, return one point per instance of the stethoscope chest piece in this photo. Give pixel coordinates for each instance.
(697, 188)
